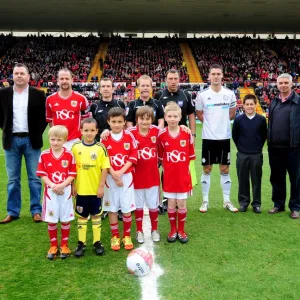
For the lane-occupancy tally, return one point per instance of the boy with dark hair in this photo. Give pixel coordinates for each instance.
(249, 133)
(119, 191)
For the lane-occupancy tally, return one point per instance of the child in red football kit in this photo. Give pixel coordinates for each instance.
(119, 191)
(176, 150)
(57, 169)
(146, 176)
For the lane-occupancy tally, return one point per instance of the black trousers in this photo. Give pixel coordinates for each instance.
(249, 166)
(283, 160)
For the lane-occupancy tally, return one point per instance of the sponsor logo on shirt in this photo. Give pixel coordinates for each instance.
(109, 147)
(223, 105)
(56, 104)
(175, 156)
(49, 165)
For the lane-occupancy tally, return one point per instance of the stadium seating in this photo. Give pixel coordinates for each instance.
(127, 59)
(45, 55)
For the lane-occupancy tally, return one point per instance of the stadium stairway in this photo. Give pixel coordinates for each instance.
(191, 65)
(245, 91)
(102, 51)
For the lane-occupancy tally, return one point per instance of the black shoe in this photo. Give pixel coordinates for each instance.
(120, 216)
(98, 248)
(104, 215)
(243, 208)
(172, 237)
(79, 251)
(257, 209)
(183, 238)
(161, 210)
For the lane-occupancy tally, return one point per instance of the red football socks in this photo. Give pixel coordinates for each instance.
(139, 214)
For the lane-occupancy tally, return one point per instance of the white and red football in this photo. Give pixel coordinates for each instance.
(139, 262)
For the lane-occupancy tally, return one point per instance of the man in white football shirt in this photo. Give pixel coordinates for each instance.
(215, 107)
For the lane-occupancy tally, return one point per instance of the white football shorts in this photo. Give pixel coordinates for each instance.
(57, 207)
(119, 198)
(148, 197)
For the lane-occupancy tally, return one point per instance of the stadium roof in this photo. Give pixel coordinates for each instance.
(261, 16)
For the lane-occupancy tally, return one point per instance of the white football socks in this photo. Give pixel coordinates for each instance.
(226, 186)
(205, 183)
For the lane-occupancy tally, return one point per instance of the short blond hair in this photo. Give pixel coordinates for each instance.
(172, 106)
(58, 131)
(145, 77)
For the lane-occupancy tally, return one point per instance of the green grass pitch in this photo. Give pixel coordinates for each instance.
(229, 256)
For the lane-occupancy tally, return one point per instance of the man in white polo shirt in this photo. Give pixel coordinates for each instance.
(215, 107)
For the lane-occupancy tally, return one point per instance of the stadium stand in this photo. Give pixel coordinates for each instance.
(45, 55)
(243, 59)
(127, 59)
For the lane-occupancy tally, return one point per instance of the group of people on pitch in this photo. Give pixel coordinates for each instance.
(102, 177)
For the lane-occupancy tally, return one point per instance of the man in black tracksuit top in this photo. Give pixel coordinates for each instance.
(145, 87)
(182, 98)
(100, 108)
(284, 146)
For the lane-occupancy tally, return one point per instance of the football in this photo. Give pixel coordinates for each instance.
(139, 262)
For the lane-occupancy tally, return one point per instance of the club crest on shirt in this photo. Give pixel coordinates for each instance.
(153, 139)
(64, 163)
(126, 146)
(180, 103)
(182, 143)
(51, 213)
(74, 103)
(225, 97)
(79, 209)
(93, 156)
(106, 203)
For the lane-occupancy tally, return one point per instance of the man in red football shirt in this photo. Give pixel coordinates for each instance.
(67, 107)
(176, 150)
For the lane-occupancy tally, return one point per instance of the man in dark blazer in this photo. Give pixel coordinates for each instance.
(23, 121)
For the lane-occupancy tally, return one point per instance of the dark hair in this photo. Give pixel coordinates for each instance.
(172, 71)
(19, 65)
(250, 97)
(215, 66)
(88, 121)
(116, 112)
(145, 111)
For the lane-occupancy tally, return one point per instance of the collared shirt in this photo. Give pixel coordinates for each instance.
(134, 105)
(100, 110)
(20, 115)
(183, 99)
(284, 99)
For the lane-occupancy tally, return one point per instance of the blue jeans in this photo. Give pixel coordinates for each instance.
(13, 161)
